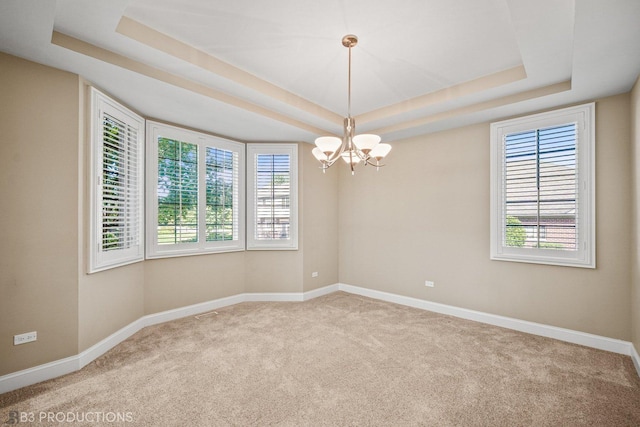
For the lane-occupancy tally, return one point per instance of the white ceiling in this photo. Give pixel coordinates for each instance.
(276, 70)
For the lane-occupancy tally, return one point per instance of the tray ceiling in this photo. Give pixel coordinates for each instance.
(276, 71)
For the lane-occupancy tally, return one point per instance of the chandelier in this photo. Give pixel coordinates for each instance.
(352, 148)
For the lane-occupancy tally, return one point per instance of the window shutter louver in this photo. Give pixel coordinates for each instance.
(117, 144)
(540, 187)
(177, 192)
(120, 186)
(222, 194)
(272, 196)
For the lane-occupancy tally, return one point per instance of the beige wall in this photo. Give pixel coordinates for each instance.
(319, 203)
(426, 217)
(177, 282)
(108, 301)
(39, 212)
(635, 284)
(273, 271)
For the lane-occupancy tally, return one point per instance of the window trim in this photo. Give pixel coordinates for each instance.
(262, 148)
(99, 260)
(202, 140)
(585, 256)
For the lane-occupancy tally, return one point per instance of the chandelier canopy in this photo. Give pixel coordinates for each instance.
(353, 149)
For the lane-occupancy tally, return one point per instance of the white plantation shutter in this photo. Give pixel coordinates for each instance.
(117, 142)
(223, 195)
(542, 182)
(272, 196)
(177, 192)
(195, 200)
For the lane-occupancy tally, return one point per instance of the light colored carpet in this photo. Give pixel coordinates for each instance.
(341, 359)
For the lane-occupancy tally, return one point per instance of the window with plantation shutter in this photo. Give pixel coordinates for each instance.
(542, 188)
(540, 181)
(195, 193)
(272, 186)
(177, 197)
(542, 173)
(222, 195)
(117, 141)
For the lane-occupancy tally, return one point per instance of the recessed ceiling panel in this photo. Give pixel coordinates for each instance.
(420, 66)
(407, 47)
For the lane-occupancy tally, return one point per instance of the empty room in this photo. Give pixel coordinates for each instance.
(312, 213)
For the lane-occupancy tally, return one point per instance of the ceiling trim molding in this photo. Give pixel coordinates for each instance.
(84, 48)
(480, 106)
(447, 94)
(157, 40)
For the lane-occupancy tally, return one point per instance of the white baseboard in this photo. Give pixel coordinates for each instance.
(191, 310)
(100, 348)
(70, 364)
(568, 335)
(320, 292)
(636, 358)
(67, 365)
(97, 350)
(38, 374)
(273, 297)
(290, 296)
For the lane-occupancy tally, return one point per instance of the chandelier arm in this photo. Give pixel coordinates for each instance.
(365, 158)
(326, 164)
(336, 154)
(376, 164)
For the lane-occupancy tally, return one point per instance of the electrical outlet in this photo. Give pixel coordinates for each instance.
(314, 274)
(429, 284)
(25, 338)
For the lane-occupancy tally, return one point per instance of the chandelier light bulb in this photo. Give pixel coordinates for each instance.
(328, 144)
(366, 142)
(350, 157)
(380, 151)
(319, 154)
